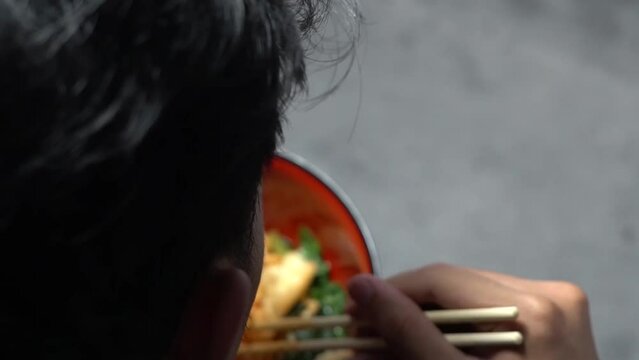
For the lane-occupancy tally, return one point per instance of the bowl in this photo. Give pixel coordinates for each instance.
(297, 194)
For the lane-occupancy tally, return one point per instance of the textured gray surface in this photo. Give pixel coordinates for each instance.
(497, 134)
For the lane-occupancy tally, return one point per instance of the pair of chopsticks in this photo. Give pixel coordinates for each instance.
(439, 317)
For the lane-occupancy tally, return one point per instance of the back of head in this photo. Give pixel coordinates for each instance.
(133, 134)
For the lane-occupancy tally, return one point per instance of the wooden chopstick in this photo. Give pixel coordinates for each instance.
(508, 338)
(440, 317)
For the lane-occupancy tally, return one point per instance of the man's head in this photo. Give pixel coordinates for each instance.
(133, 134)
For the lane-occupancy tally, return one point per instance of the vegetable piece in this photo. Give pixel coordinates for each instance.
(309, 246)
(277, 244)
(296, 282)
(331, 297)
(311, 249)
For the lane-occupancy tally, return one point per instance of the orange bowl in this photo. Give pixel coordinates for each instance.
(297, 194)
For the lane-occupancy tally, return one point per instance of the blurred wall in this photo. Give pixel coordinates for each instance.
(496, 134)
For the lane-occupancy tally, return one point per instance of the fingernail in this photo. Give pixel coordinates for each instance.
(361, 289)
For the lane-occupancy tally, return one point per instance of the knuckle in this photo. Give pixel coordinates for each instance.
(539, 309)
(573, 295)
(543, 318)
(437, 268)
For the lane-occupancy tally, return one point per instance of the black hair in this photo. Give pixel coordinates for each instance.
(133, 134)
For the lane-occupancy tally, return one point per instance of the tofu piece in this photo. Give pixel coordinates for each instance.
(284, 283)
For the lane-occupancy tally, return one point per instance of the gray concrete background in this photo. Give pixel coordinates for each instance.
(496, 134)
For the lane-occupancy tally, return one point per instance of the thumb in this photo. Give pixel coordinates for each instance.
(399, 321)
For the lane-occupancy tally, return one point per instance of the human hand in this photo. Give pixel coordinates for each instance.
(553, 316)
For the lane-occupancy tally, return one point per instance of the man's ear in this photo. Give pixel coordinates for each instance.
(215, 318)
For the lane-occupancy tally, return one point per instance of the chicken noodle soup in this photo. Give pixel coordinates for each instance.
(296, 282)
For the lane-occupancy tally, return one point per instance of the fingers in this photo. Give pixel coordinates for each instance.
(399, 321)
(552, 315)
(454, 287)
(569, 297)
(569, 301)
